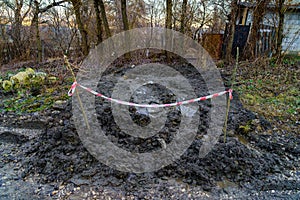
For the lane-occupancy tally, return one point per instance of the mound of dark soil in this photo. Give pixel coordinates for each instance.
(251, 162)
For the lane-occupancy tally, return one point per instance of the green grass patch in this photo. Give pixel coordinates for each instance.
(271, 90)
(29, 103)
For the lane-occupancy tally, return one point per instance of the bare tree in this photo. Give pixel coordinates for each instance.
(168, 23)
(18, 7)
(124, 15)
(151, 16)
(64, 30)
(200, 14)
(231, 30)
(136, 10)
(83, 32)
(35, 25)
(183, 16)
(38, 9)
(125, 27)
(156, 11)
(280, 9)
(104, 18)
(98, 22)
(18, 21)
(258, 14)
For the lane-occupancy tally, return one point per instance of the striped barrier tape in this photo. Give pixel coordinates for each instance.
(75, 84)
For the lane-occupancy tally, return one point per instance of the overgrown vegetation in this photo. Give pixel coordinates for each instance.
(31, 92)
(272, 89)
(30, 103)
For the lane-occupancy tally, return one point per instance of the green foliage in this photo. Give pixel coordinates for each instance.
(25, 80)
(27, 104)
(271, 89)
(7, 85)
(245, 128)
(22, 99)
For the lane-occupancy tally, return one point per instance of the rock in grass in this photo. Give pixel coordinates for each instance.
(59, 105)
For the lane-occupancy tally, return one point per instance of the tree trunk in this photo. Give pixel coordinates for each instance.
(202, 20)
(125, 28)
(98, 22)
(17, 26)
(168, 25)
(151, 17)
(183, 16)
(279, 33)
(258, 14)
(169, 14)
(231, 31)
(35, 24)
(83, 32)
(124, 15)
(104, 18)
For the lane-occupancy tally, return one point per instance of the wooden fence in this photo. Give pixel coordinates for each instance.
(264, 45)
(212, 43)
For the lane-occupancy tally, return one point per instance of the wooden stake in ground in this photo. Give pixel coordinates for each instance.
(80, 102)
(232, 80)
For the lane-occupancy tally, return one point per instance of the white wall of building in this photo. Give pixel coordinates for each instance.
(291, 31)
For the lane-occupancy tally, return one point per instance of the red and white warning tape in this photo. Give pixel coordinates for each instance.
(75, 84)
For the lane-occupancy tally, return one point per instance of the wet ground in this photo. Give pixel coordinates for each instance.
(42, 157)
